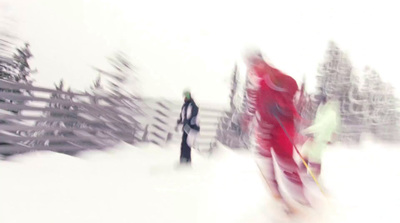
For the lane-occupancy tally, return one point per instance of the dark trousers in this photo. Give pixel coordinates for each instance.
(185, 150)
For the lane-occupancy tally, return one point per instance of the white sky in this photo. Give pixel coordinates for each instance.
(180, 43)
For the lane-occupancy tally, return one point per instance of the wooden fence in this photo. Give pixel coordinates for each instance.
(36, 118)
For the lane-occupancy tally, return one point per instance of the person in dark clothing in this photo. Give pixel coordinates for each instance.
(189, 121)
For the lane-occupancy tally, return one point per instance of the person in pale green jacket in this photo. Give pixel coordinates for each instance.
(325, 126)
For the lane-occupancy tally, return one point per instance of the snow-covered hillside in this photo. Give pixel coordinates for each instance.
(145, 184)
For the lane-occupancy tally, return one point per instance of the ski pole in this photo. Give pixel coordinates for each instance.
(302, 159)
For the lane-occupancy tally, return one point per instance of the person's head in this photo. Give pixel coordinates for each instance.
(252, 56)
(187, 95)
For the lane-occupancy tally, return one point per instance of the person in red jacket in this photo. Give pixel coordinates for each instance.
(270, 96)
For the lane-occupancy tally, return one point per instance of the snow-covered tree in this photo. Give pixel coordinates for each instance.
(234, 88)
(115, 89)
(15, 68)
(229, 132)
(381, 107)
(62, 116)
(337, 81)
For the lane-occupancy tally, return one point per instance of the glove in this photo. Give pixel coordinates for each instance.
(186, 128)
(275, 109)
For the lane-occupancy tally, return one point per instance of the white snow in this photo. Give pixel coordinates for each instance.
(145, 184)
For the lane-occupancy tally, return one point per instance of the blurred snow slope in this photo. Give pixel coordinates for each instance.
(145, 184)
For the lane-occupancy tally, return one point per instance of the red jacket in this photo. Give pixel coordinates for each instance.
(269, 88)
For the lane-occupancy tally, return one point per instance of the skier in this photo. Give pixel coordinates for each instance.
(270, 96)
(188, 118)
(325, 126)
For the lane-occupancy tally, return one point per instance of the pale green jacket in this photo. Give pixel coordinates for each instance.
(325, 125)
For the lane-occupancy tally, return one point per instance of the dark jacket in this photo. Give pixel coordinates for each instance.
(189, 114)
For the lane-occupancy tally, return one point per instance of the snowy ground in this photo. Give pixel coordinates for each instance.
(130, 184)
